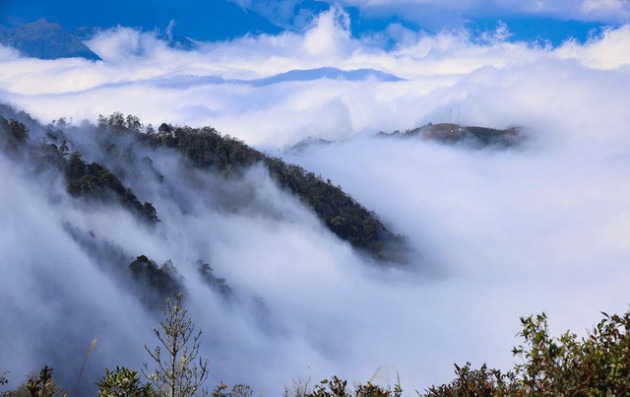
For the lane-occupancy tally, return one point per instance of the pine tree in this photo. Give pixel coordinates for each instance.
(179, 372)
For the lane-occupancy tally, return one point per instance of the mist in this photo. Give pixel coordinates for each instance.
(499, 233)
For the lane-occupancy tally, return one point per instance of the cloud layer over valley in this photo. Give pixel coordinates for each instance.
(500, 233)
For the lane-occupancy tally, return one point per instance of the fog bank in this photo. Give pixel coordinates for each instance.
(503, 233)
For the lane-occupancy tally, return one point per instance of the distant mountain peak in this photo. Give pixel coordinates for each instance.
(196, 20)
(330, 73)
(45, 40)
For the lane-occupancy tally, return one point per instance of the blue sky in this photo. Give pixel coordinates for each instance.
(542, 21)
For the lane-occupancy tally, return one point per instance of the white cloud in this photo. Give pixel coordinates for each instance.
(329, 35)
(603, 5)
(8, 53)
(609, 52)
(507, 233)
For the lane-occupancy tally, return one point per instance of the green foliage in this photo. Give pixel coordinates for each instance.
(61, 122)
(345, 217)
(13, 134)
(3, 378)
(123, 382)
(64, 149)
(220, 391)
(44, 385)
(214, 282)
(338, 388)
(133, 123)
(238, 390)
(479, 137)
(502, 138)
(119, 122)
(162, 281)
(116, 119)
(350, 221)
(334, 388)
(96, 182)
(481, 382)
(206, 148)
(241, 390)
(178, 373)
(150, 212)
(19, 132)
(596, 365)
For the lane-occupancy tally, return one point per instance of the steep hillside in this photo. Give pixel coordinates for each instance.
(97, 171)
(349, 220)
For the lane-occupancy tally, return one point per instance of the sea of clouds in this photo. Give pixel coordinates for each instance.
(502, 233)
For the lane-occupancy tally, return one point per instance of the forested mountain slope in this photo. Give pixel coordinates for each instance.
(94, 170)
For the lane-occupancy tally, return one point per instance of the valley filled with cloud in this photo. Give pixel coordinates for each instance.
(497, 233)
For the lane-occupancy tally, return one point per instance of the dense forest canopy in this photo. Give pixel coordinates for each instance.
(205, 148)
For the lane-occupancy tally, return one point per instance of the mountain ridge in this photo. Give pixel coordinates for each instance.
(294, 75)
(454, 133)
(206, 149)
(45, 40)
(210, 21)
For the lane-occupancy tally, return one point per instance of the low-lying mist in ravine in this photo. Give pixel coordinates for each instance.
(499, 233)
(275, 269)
